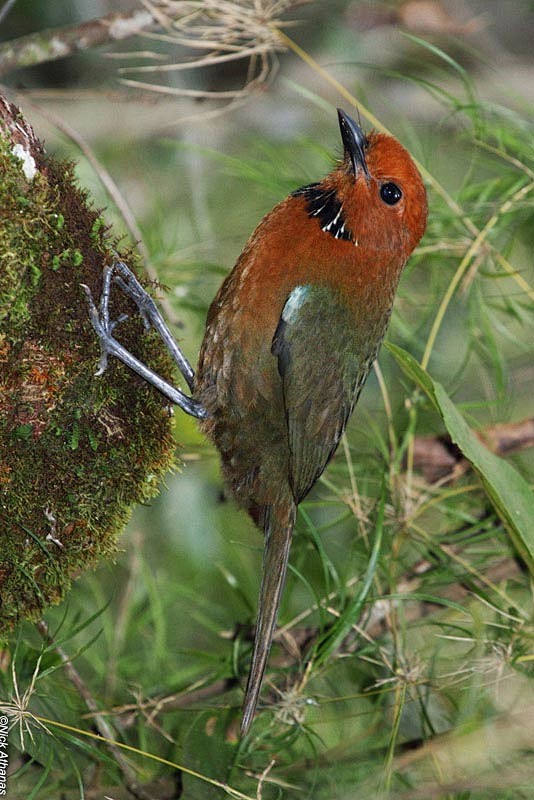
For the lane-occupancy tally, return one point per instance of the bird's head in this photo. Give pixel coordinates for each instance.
(378, 190)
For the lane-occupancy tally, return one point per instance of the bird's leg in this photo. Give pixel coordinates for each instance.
(152, 317)
(100, 321)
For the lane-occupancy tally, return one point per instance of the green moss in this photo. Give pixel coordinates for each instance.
(76, 451)
(25, 229)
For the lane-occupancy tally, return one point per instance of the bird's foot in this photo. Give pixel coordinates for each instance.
(100, 320)
(152, 317)
(121, 275)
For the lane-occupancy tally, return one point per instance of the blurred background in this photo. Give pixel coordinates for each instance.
(187, 161)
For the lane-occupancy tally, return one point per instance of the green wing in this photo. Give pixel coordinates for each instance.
(323, 362)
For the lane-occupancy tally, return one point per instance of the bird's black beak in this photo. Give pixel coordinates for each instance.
(354, 142)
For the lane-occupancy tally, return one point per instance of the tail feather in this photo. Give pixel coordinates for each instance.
(279, 522)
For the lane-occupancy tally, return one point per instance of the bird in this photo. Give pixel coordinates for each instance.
(289, 341)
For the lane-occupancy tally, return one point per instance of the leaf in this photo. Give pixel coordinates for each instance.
(507, 490)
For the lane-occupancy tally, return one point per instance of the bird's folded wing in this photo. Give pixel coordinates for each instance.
(322, 371)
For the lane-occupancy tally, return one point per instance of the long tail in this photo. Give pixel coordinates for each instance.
(278, 525)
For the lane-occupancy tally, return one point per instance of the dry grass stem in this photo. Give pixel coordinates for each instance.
(220, 32)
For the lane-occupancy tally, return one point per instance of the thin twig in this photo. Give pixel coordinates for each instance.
(162, 704)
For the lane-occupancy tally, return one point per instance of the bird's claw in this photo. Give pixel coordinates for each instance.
(100, 320)
(99, 317)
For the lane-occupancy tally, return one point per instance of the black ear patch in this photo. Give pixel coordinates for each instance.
(325, 206)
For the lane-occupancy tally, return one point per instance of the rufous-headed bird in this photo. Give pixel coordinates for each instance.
(290, 339)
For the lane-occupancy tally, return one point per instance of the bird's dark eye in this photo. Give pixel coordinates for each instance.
(390, 193)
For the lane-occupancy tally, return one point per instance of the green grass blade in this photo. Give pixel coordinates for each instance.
(505, 487)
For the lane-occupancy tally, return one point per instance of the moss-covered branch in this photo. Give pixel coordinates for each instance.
(76, 451)
(53, 43)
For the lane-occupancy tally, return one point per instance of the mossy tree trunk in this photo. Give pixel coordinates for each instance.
(76, 450)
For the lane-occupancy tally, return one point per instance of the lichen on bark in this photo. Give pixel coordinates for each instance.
(77, 451)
